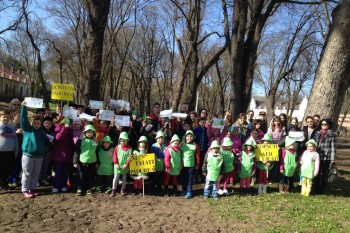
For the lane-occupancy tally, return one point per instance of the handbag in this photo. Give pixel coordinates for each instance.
(333, 173)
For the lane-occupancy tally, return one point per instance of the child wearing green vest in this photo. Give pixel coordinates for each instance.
(310, 165)
(158, 149)
(172, 161)
(142, 145)
(105, 169)
(85, 160)
(121, 160)
(263, 168)
(246, 165)
(288, 164)
(190, 159)
(229, 163)
(213, 165)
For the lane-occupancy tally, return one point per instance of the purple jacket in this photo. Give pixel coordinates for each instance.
(63, 148)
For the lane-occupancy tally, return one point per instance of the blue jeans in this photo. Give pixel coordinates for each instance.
(207, 188)
(187, 175)
(61, 175)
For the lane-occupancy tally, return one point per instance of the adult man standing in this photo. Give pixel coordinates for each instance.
(156, 120)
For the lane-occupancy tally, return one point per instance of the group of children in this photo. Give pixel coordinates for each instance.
(101, 165)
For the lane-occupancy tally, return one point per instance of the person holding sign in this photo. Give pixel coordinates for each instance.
(263, 168)
(229, 162)
(101, 128)
(246, 165)
(85, 160)
(142, 145)
(121, 160)
(158, 149)
(310, 165)
(212, 167)
(172, 160)
(288, 164)
(191, 161)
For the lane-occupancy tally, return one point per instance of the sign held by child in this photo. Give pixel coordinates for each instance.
(142, 164)
(267, 152)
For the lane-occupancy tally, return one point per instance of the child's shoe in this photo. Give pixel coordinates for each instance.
(220, 192)
(27, 195)
(12, 185)
(188, 196)
(80, 192)
(216, 198)
(113, 193)
(88, 192)
(34, 193)
(206, 196)
(225, 192)
(175, 191)
(264, 189)
(64, 189)
(54, 190)
(99, 189)
(122, 192)
(260, 188)
(108, 190)
(183, 193)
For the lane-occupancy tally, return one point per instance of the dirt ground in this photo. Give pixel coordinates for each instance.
(100, 213)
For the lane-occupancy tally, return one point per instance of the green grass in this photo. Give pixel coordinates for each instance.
(292, 212)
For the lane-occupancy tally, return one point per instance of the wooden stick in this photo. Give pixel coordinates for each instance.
(143, 187)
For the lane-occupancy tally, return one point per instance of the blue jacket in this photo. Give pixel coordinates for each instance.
(198, 131)
(35, 142)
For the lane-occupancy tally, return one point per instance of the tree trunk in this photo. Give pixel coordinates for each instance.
(333, 71)
(98, 14)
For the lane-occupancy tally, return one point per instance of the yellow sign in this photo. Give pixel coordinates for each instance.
(142, 164)
(62, 91)
(267, 152)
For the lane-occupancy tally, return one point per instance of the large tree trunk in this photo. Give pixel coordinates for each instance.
(333, 71)
(98, 14)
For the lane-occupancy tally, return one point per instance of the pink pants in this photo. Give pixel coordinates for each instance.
(262, 177)
(138, 184)
(228, 177)
(244, 182)
(167, 179)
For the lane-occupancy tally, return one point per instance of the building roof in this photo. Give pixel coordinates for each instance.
(14, 75)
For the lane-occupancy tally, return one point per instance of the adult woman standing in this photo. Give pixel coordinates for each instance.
(326, 139)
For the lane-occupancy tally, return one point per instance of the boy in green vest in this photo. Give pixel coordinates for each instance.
(213, 165)
(85, 160)
(121, 160)
(246, 165)
(288, 164)
(158, 149)
(190, 159)
(229, 162)
(105, 165)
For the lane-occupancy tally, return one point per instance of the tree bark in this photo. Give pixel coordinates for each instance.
(333, 72)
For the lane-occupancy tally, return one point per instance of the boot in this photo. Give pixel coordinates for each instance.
(260, 188)
(281, 188)
(175, 190)
(113, 192)
(264, 189)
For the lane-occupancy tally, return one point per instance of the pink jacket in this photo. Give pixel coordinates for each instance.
(63, 148)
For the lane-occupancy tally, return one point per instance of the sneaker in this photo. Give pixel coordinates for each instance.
(224, 192)
(88, 192)
(122, 193)
(220, 192)
(108, 190)
(27, 195)
(64, 189)
(98, 189)
(54, 190)
(188, 196)
(34, 193)
(12, 185)
(44, 183)
(80, 192)
(113, 193)
(206, 196)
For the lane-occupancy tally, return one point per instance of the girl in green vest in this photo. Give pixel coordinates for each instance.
(213, 165)
(191, 159)
(246, 165)
(229, 163)
(158, 149)
(263, 167)
(288, 164)
(105, 169)
(121, 160)
(85, 160)
(172, 161)
(142, 145)
(310, 165)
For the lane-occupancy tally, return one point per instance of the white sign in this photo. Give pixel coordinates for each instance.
(94, 104)
(70, 113)
(122, 120)
(51, 138)
(32, 102)
(166, 113)
(106, 115)
(297, 135)
(86, 117)
(118, 104)
(179, 115)
(218, 123)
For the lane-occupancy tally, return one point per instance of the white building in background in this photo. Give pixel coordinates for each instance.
(299, 112)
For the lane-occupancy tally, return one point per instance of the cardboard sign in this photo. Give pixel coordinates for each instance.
(142, 164)
(267, 152)
(297, 135)
(32, 102)
(87, 117)
(70, 113)
(179, 115)
(218, 123)
(166, 113)
(106, 115)
(122, 120)
(94, 104)
(62, 91)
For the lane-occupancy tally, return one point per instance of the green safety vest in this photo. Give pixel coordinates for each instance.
(160, 161)
(289, 164)
(105, 167)
(247, 165)
(123, 157)
(229, 159)
(175, 162)
(308, 168)
(214, 166)
(88, 150)
(188, 154)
